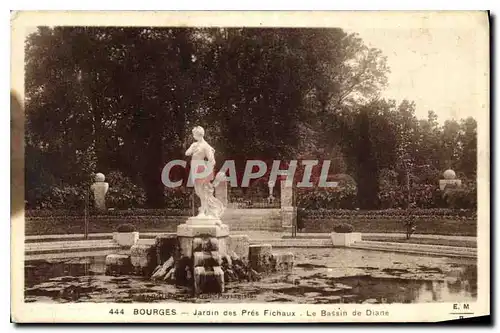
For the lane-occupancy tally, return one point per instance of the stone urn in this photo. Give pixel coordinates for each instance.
(450, 180)
(99, 190)
(126, 235)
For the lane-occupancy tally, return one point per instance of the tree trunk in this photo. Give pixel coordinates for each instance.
(152, 171)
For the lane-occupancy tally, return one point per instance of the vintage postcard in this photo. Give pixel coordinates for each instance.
(257, 167)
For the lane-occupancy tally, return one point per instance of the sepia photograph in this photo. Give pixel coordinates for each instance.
(249, 167)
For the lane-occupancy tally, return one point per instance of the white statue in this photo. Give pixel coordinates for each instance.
(202, 171)
(99, 189)
(271, 185)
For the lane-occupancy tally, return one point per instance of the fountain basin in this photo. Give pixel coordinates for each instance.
(319, 276)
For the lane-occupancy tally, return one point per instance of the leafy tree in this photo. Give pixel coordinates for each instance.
(468, 139)
(123, 101)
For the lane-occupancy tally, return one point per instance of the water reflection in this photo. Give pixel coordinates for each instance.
(321, 276)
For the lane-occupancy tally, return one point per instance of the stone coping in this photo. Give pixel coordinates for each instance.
(268, 235)
(88, 248)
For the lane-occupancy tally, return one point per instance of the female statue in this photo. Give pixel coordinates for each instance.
(201, 172)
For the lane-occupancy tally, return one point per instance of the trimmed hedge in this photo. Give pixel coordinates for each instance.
(99, 224)
(396, 225)
(130, 212)
(429, 221)
(433, 213)
(313, 214)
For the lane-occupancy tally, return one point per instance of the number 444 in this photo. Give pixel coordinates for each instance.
(116, 311)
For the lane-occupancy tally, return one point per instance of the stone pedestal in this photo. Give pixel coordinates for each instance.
(453, 183)
(288, 215)
(286, 194)
(203, 229)
(288, 211)
(203, 243)
(143, 258)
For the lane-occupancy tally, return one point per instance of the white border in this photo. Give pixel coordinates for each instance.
(220, 5)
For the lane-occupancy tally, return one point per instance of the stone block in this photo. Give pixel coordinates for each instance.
(199, 273)
(283, 262)
(118, 264)
(345, 239)
(197, 244)
(210, 244)
(186, 246)
(239, 244)
(219, 279)
(207, 259)
(211, 237)
(208, 280)
(166, 247)
(260, 257)
(184, 272)
(143, 258)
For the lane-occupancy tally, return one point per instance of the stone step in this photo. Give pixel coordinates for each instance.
(69, 246)
(412, 249)
(76, 246)
(420, 246)
(208, 280)
(250, 228)
(234, 221)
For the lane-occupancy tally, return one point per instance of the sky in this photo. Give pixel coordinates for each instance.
(435, 67)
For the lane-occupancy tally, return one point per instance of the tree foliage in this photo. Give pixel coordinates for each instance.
(123, 100)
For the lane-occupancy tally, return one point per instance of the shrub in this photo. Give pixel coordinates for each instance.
(329, 198)
(433, 213)
(126, 227)
(343, 228)
(56, 197)
(461, 198)
(123, 192)
(178, 197)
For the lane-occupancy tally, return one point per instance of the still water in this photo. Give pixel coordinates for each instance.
(320, 276)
